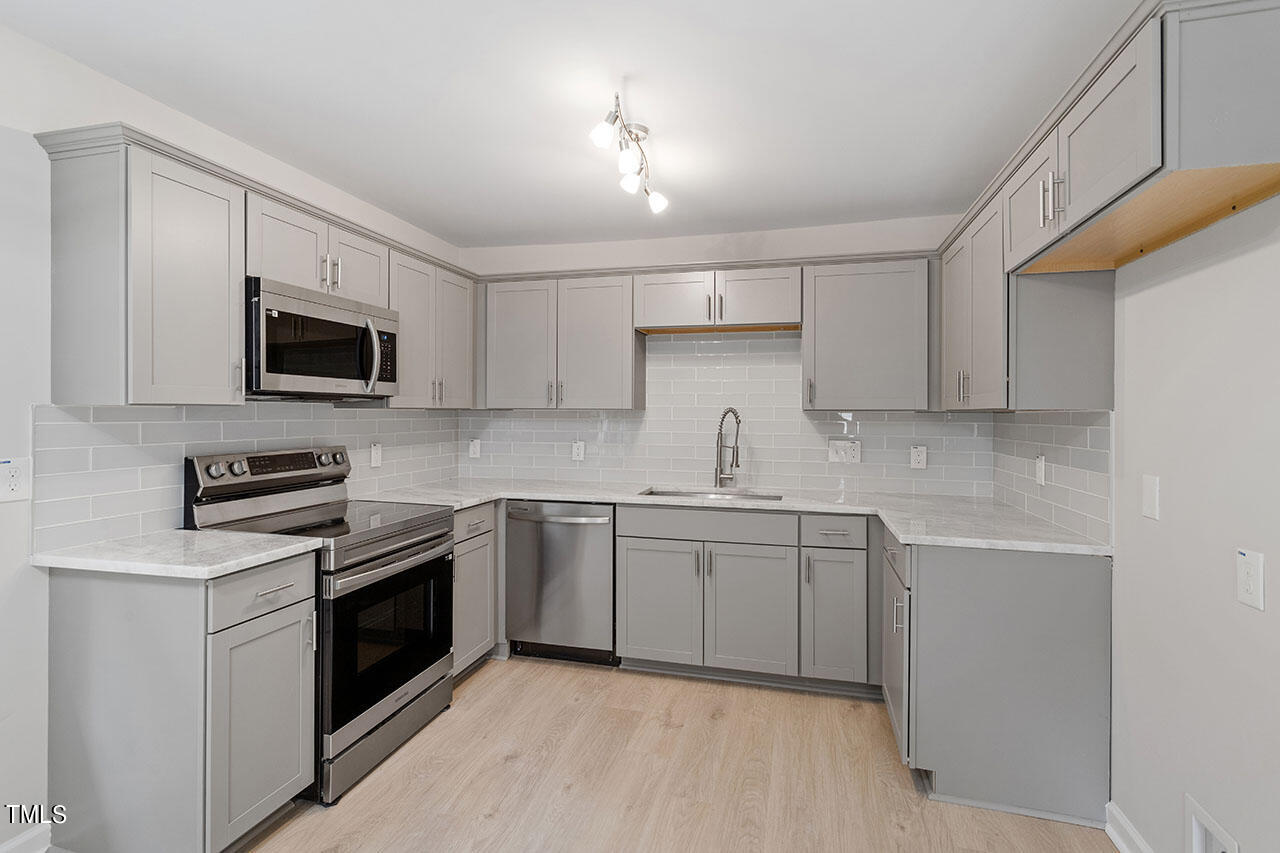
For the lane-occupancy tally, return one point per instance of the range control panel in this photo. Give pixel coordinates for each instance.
(223, 474)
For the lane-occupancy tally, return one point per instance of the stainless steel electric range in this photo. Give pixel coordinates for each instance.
(385, 589)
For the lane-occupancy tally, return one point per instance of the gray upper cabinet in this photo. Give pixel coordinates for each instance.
(453, 334)
(672, 300)
(412, 293)
(1030, 221)
(261, 719)
(284, 244)
(1111, 138)
(758, 297)
(956, 321)
(521, 344)
(186, 285)
(596, 343)
(974, 317)
(752, 608)
(475, 599)
(360, 267)
(864, 342)
(659, 599)
(833, 613)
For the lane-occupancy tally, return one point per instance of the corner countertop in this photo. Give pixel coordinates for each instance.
(914, 519)
(192, 554)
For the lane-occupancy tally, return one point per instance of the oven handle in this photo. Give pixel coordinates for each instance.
(377, 356)
(340, 586)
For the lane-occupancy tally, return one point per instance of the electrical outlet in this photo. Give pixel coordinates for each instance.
(1249, 578)
(1039, 470)
(853, 453)
(375, 455)
(844, 450)
(919, 456)
(15, 479)
(1151, 496)
(1203, 833)
(473, 448)
(578, 451)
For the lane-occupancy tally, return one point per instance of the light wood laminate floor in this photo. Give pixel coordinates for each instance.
(540, 755)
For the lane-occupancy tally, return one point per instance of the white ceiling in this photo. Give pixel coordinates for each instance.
(470, 119)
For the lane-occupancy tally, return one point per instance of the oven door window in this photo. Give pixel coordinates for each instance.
(298, 345)
(382, 635)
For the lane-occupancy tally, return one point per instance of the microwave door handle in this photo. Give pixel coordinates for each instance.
(377, 356)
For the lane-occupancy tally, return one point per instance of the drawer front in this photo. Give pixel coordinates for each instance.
(473, 521)
(708, 525)
(833, 531)
(253, 592)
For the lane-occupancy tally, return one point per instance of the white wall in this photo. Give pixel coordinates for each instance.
(1196, 680)
(24, 352)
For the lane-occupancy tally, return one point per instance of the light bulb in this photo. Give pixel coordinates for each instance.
(628, 160)
(657, 201)
(630, 182)
(602, 134)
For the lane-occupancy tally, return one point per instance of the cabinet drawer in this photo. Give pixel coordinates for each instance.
(244, 595)
(833, 531)
(473, 521)
(708, 525)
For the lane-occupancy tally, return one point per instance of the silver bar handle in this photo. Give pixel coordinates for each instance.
(275, 589)
(476, 523)
(959, 387)
(711, 557)
(722, 306)
(966, 385)
(433, 391)
(442, 390)
(1043, 216)
(560, 391)
(897, 626)
(709, 306)
(564, 519)
(343, 585)
(808, 569)
(1050, 204)
(315, 621)
(697, 564)
(337, 282)
(377, 355)
(324, 273)
(810, 392)
(833, 533)
(1054, 199)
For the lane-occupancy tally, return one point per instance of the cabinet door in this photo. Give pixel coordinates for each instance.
(659, 600)
(261, 719)
(455, 297)
(752, 608)
(865, 339)
(957, 321)
(286, 245)
(763, 297)
(361, 268)
(474, 600)
(1111, 138)
(833, 614)
(595, 341)
(895, 636)
(987, 385)
(413, 294)
(1029, 224)
(520, 345)
(186, 284)
(670, 300)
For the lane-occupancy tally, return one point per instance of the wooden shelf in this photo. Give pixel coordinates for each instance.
(1170, 208)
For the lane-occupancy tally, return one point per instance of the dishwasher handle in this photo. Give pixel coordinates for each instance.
(561, 519)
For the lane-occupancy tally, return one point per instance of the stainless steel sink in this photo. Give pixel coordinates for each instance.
(711, 494)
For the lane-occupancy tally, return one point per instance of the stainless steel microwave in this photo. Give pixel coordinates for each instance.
(304, 343)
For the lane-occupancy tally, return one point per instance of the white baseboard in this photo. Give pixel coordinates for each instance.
(1123, 834)
(34, 840)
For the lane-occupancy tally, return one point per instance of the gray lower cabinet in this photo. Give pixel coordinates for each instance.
(261, 719)
(751, 608)
(475, 598)
(833, 614)
(658, 593)
(895, 651)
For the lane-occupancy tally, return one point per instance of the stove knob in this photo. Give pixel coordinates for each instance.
(324, 459)
(339, 458)
(238, 468)
(215, 470)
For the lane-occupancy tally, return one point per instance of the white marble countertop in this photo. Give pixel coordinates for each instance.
(194, 554)
(913, 519)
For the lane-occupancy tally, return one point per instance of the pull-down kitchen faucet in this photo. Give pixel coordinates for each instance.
(723, 476)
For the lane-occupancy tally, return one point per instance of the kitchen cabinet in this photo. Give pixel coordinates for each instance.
(752, 611)
(1111, 138)
(285, 244)
(475, 594)
(895, 643)
(1029, 201)
(833, 613)
(261, 719)
(731, 298)
(148, 280)
(435, 341)
(974, 318)
(672, 300)
(658, 593)
(360, 267)
(956, 321)
(520, 343)
(864, 340)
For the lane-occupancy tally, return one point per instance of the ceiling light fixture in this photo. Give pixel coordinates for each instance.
(633, 162)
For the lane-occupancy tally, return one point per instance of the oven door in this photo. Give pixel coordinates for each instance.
(387, 636)
(305, 343)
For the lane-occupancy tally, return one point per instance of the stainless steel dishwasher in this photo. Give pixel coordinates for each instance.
(560, 580)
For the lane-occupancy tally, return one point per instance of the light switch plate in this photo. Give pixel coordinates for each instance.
(375, 455)
(15, 478)
(578, 451)
(1249, 578)
(919, 456)
(1040, 470)
(1151, 496)
(473, 448)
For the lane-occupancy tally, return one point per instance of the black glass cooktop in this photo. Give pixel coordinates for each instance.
(344, 521)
